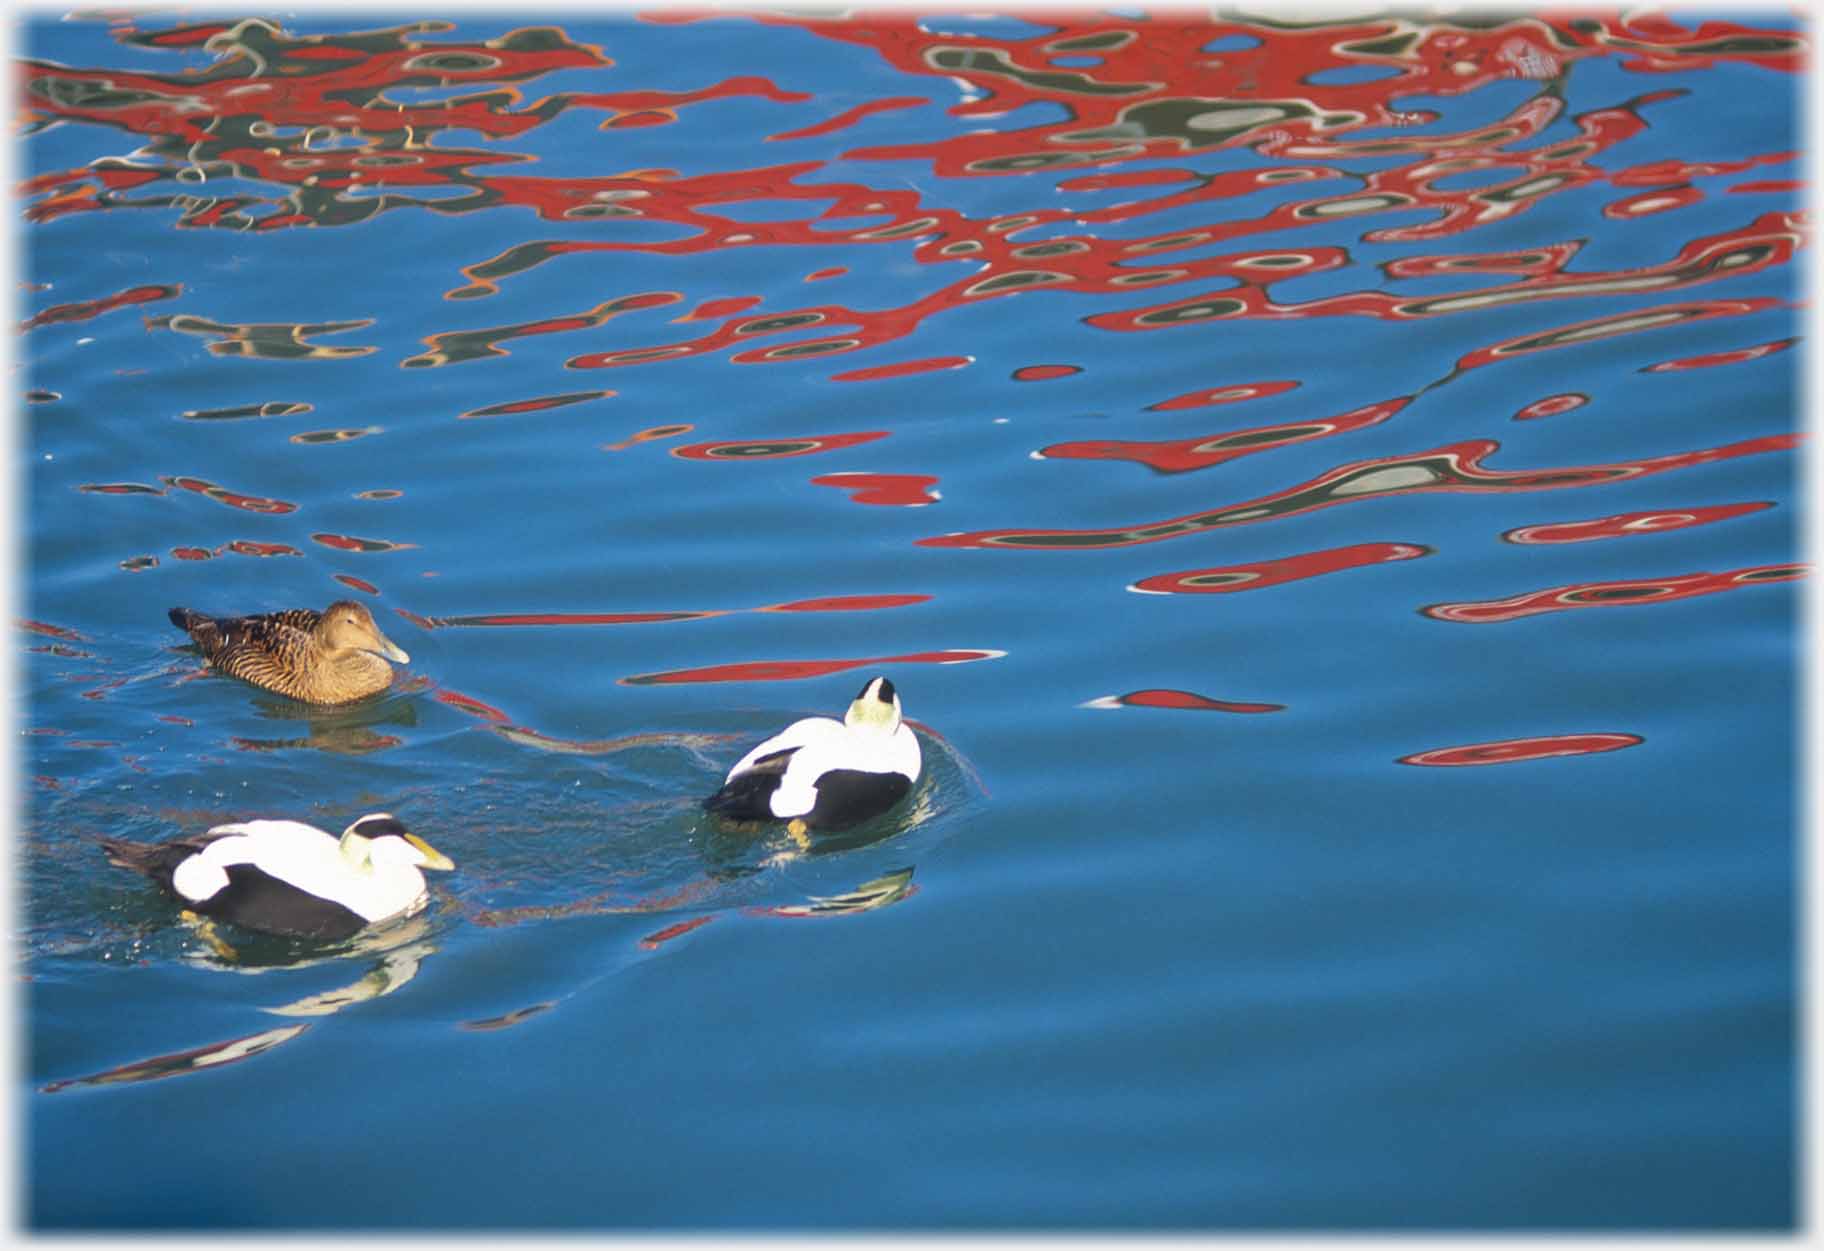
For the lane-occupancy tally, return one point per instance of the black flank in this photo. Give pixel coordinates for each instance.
(847, 797)
(746, 796)
(255, 900)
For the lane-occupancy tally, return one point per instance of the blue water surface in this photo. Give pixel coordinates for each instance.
(1336, 902)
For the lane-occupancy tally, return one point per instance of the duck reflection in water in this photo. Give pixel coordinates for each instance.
(349, 730)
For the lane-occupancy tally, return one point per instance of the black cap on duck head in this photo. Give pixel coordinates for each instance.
(378, 825)
(876, 707)
(362, 843)
(883, 690)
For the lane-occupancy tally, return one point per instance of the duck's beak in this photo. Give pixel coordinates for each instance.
(433, 859)
(391, 650)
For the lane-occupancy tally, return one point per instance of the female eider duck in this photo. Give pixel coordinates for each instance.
(288, 878)
(824, 774)
(331, 657)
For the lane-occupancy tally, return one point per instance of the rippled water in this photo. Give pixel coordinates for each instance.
(1324, 492)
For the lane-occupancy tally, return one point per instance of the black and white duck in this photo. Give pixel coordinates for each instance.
(289, 878)
(331, 657)
(823, 774)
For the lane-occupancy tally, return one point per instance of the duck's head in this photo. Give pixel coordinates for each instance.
(380, 840)
(349, 626)
(875, 709)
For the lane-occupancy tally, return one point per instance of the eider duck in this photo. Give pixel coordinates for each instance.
(288, 878)
(329, 657)
(824, 774)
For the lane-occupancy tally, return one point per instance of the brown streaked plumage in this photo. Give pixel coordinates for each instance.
(328, 657)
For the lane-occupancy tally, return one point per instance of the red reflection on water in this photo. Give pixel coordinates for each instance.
(455, 346)
(1165, 697)
(1273, 572)
(536, 405)
(903, 369)
(834, 271)
(1131, 178)
(53, 631)
(1646, 203)
(644, 436)
(234, 499)
(773, 449)
(84, 310)
(833, 603)
(847, 603)
(474, 707)
(348, 543)
(248, 547)
(1044, 373)
(329, 129)
(278, 341)
(191, 553)
(1456, 467)
(792, 670)
(1676, 172)
(709, 310)
(349, 579)
(571, 618)
(847, 118)
(271, 408)
(508, 1019)
(1506, 751)
(1610, 594)
(1770, 187)
(1552, 406)
(899, 490)
(1203, 451)
(1623, 524)
(119, 488)
(1768, 241)
(651, 941)
(1614, 326)
(1737, 357)
(311, 437)
(1222, 395)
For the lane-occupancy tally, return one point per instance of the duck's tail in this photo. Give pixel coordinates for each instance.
(204, 631)
(154, 860)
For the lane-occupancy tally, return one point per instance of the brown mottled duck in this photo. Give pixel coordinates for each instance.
(331, 657)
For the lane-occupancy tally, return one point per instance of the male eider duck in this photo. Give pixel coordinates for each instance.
(329, 657)
(288, 878)
(824, 774)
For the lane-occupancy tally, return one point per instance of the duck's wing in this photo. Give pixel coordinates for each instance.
(778, 749)
(214, 633)
(269, 650)
(747, 793)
